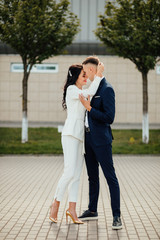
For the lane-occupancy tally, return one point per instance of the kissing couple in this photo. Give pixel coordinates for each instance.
(87, 133)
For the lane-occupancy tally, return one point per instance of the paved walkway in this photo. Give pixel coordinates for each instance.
(27, 185)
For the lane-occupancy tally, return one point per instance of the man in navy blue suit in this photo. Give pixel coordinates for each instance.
(98, 144)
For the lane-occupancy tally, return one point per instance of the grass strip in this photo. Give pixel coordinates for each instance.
(48, 141)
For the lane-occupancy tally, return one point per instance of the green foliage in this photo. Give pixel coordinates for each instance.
(48, 141)
(37, 29)
(132, 29)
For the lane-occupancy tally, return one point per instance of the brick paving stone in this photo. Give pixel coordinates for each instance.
(144, 238)
(28, 183)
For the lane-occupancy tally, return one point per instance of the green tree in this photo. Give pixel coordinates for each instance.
(131, 28)
(37, 30)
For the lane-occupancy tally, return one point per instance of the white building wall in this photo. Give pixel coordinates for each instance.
(45, 90)
(88, 12)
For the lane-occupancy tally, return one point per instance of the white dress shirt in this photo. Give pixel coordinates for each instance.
(86, 123)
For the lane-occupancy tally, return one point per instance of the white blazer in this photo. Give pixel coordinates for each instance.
(74, 124)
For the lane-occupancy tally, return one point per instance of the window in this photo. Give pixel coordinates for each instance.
(37, 68)
(158, 69)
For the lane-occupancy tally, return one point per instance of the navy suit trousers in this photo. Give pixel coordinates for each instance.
(102, 155)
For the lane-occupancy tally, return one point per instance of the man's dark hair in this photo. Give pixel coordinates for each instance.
(91, 59)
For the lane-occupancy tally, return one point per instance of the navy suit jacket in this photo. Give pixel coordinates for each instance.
(102, 114)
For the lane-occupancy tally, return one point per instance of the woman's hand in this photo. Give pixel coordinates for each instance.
(86, 103)
(100, 69)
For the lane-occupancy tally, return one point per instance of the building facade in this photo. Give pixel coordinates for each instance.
(45, 88)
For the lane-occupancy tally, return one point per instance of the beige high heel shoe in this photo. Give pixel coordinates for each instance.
(70, 215)
(53, 219)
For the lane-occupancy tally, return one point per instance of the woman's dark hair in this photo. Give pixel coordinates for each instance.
(73, 74)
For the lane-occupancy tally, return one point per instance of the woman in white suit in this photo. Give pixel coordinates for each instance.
(73, 137)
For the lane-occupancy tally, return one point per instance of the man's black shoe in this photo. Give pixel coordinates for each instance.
(117, 224)
(88, 215)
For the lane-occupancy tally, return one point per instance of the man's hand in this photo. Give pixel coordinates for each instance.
(86, 103)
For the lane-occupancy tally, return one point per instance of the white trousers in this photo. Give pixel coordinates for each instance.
(73, 163)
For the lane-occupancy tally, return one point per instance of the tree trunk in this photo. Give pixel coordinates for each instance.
(145, 122)
(24, 105)
(24, 127)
